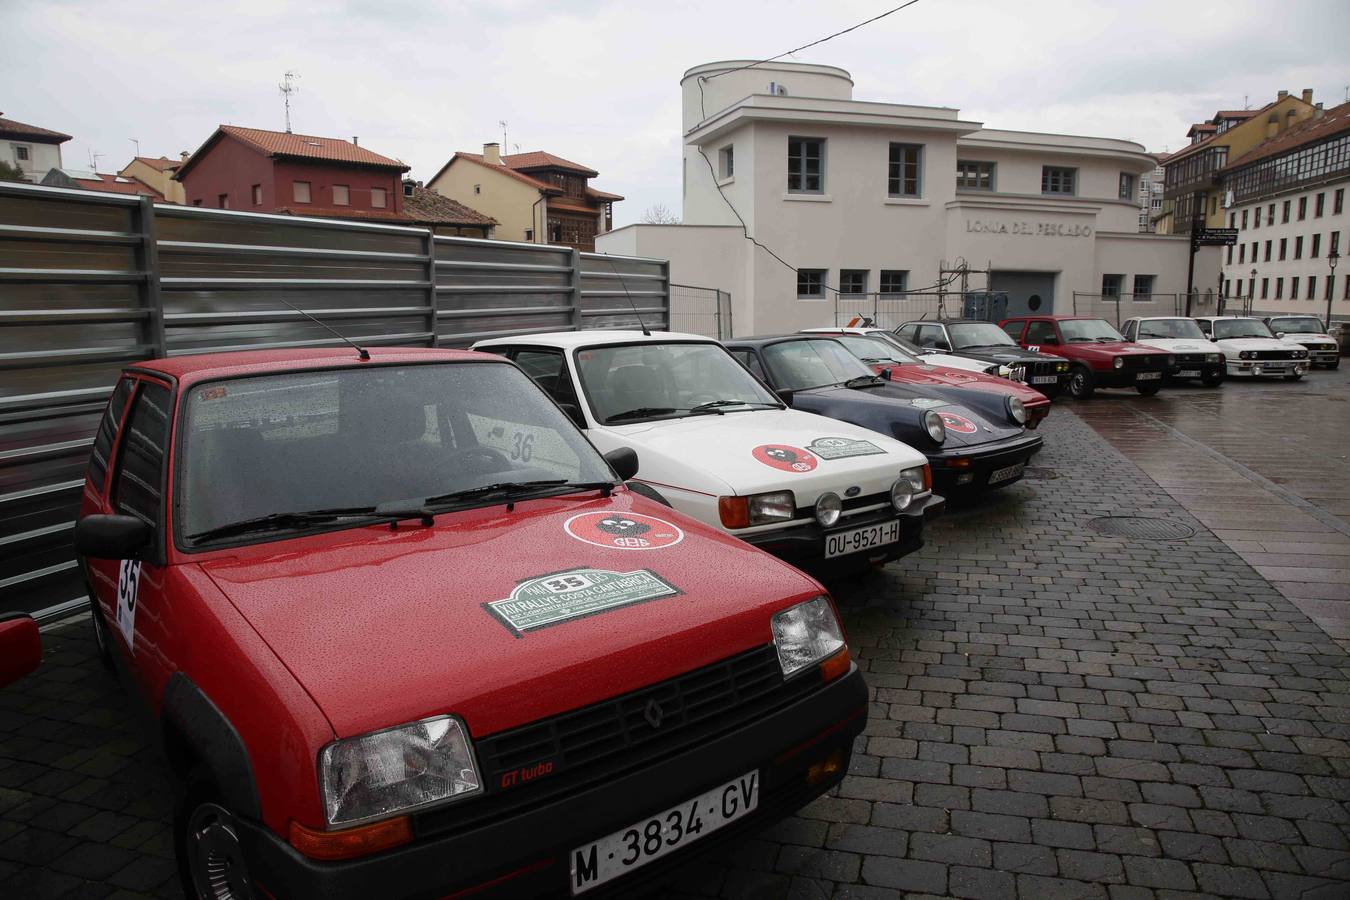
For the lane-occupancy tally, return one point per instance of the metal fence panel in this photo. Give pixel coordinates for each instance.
(893, 310)
(90, 282)
(701, 310)
(1116, 308)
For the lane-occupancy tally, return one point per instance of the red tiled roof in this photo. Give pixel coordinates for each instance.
(1332, 122)
(539, 159)
(425, 206)
(1203, 126)
(25, 132)
(1192, 148)
(296, 146)
(162, 164)
(602, 195)
(117, 184)
(1235, 113)
(505, 170)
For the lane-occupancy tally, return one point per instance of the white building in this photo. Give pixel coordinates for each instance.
(1287, 198)
(864, 198)
(36, 151)
(1151, 193)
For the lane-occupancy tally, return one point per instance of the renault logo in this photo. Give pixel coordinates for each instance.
(654, 714)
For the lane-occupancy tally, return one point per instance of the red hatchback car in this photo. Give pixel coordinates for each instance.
(1100, 355)
(404, 632)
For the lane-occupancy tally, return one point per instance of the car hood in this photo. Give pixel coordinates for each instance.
(1240, 344)
(943, 377)
(1006, 355)
(1179, 345)
(383, 627)
(965, 362)
(1309, 339)
(728, 454)
(1106, 349)
(898, 410)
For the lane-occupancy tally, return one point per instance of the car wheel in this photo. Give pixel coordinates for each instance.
(1148, 390)
(1081, 383)
(1212, 380)
(101, 645)
(210, 858)
(1335, 365)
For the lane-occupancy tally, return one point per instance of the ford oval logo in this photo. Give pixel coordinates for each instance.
(853, 491)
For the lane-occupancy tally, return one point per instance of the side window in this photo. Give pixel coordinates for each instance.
(907, 331)
(1041, 332)
(139, 482)
(748, 359)
(1129, 330)
(547, 369)
(1204, 325)
(1014, 329)
(932, 336)
(107, 431)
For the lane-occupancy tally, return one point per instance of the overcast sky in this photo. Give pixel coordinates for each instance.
(598, 82)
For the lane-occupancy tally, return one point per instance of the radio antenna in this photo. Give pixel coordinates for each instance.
(361, 352)
(288, 87)
(613, 268)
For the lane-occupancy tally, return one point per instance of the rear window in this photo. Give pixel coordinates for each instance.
(107, 431)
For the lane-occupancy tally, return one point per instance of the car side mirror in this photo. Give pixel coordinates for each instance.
(785, 394)
(112, 537)
(1279, 334)
(885, 374)
(624, 462)
(20, 647)
(574, 413)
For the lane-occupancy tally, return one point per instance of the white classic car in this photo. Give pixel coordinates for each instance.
(1250, 348)
(930, 356)
(1308, 331)
(1193, 354)
(715, 443)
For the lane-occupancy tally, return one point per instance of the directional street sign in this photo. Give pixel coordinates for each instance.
(1214, 237)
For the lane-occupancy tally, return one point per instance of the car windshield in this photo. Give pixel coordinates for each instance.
(1170, 328)
(908, 349)
(800, 365)
(978, 334)
(635, 382)
(355, 439)
(1297, 325)
(1226, 329)
(1088, 330)
(873, 351)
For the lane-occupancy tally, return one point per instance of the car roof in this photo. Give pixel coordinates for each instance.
(1221, 318)
(759, 340)
(260, 362)
(567, 340)
(1059, 317)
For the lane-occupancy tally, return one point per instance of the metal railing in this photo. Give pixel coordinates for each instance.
(891, 310)
(1116, 308)
(91, 281)
(701, 310)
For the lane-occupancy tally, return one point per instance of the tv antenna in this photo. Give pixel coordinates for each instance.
(502, 122)
(288, 87)
(94, 157)
(137, 144)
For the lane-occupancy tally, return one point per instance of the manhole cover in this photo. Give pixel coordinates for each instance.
(1039, 473)
(1142, 528)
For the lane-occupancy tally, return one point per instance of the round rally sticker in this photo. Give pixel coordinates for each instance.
(623, 531)
(959, 424)
(785, 457)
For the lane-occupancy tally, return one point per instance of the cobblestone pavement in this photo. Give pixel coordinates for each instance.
(1057, 713)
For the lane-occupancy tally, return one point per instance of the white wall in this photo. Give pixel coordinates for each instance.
(42, 158)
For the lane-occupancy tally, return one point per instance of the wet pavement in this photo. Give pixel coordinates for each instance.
(1058, 710)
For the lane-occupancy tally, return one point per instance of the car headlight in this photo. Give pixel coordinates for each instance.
(1214, 357)
(1061, 368)
(756, 509)
(805, 634)
(1246, 354)
(1300, 354)
(1119, 361)
(933, 424)
(911, 481)
(828, 508)
(1171, 360)
(397, 770)
(1017, 410)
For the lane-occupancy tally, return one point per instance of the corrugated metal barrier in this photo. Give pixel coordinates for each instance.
(92, 281)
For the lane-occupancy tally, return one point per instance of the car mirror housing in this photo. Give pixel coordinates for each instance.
(1279, 334)
(20, 647)
(624, 462)
(112, 537)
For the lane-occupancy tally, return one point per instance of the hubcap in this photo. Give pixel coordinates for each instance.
(213, 853)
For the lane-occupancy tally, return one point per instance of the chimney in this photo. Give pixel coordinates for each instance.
(1307, 95)
(1318, 112)
(356, 140)
(183, 155)
(492, 153)
(1272, 125)
(1283, 94)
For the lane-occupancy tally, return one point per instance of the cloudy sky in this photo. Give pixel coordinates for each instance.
(598, 81)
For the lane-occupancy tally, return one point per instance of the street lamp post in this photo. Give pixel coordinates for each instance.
(1332, 258)
(1251, 294)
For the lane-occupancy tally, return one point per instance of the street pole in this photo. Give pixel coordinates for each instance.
(1332, 258)
(1190, 269)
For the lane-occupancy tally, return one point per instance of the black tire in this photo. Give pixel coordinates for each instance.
(102, 644)
(1148, 390)
(205, 836)
(1335, 365)
(1211, 380)
(1081, 383)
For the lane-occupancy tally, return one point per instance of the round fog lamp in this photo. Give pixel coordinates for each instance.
(828, 508)
(902, 494)
(1119, 362)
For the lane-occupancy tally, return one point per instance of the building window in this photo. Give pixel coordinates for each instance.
(1320, 205)
(1267, 251)
(1298, 247)
(21, 153)
(1312, 287)
(1265, 288)
(1293, 288)
(1111, 285)
(555, 232)
(893, 281)
(1256, 218)
(811, 284)
(1242, 253)
(806, 166)
(1253, 251)
(257, 195)
(197, 202)
(1279, 288)
(1232, 220)
(1335, 244)
(1244, 219)
(1143, 287)
(904, 171)
(1316, 246)
(1213, 204)
(1284, 247)
(1058, 180)
(1226, 285)
(1230, 254)
(379, 197)
(477, 190)
(223, 201)
(1126, 185)
(1338, 202)
(300, 191)
(974, 176)
(1270, 214)
(853, 282)
(726, 162)
(529, 235)
(341, 196)
(1302, 208)
(1284, 213)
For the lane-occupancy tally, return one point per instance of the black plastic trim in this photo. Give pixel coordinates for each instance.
(215, 742)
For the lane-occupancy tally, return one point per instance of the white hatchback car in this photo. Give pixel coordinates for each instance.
(1250, 348)
(715, 443)
(1192, 353)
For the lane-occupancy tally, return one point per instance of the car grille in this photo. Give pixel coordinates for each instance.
(1145, 362)
(1189, 359)
(604, 740)
(1024, 371)
(1275, 354)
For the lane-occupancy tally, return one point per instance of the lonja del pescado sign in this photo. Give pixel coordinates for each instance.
(1035, 229)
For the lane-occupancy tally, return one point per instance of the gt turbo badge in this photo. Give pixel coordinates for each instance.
(785, 457)
(549, 599)
(623, 531)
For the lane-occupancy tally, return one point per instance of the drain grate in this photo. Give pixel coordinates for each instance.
(1039, 473)
(1142, 528)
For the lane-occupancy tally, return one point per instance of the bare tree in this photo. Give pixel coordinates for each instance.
(659, 215)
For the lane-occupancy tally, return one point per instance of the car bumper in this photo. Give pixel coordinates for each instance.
(1196, 370)
(969, 469)
(1328, 356)
(528, 854)
(1267, 367)
(1125, 378)
(804, 545)
(1037, 410)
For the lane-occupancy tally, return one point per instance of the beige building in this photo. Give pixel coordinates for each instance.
(32, 150)
(535, 197)
(158, 173)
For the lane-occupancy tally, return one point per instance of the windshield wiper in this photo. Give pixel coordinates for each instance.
(861, 381)
(715, 406)
(511, 488)
(641, 412)
(278, 521)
